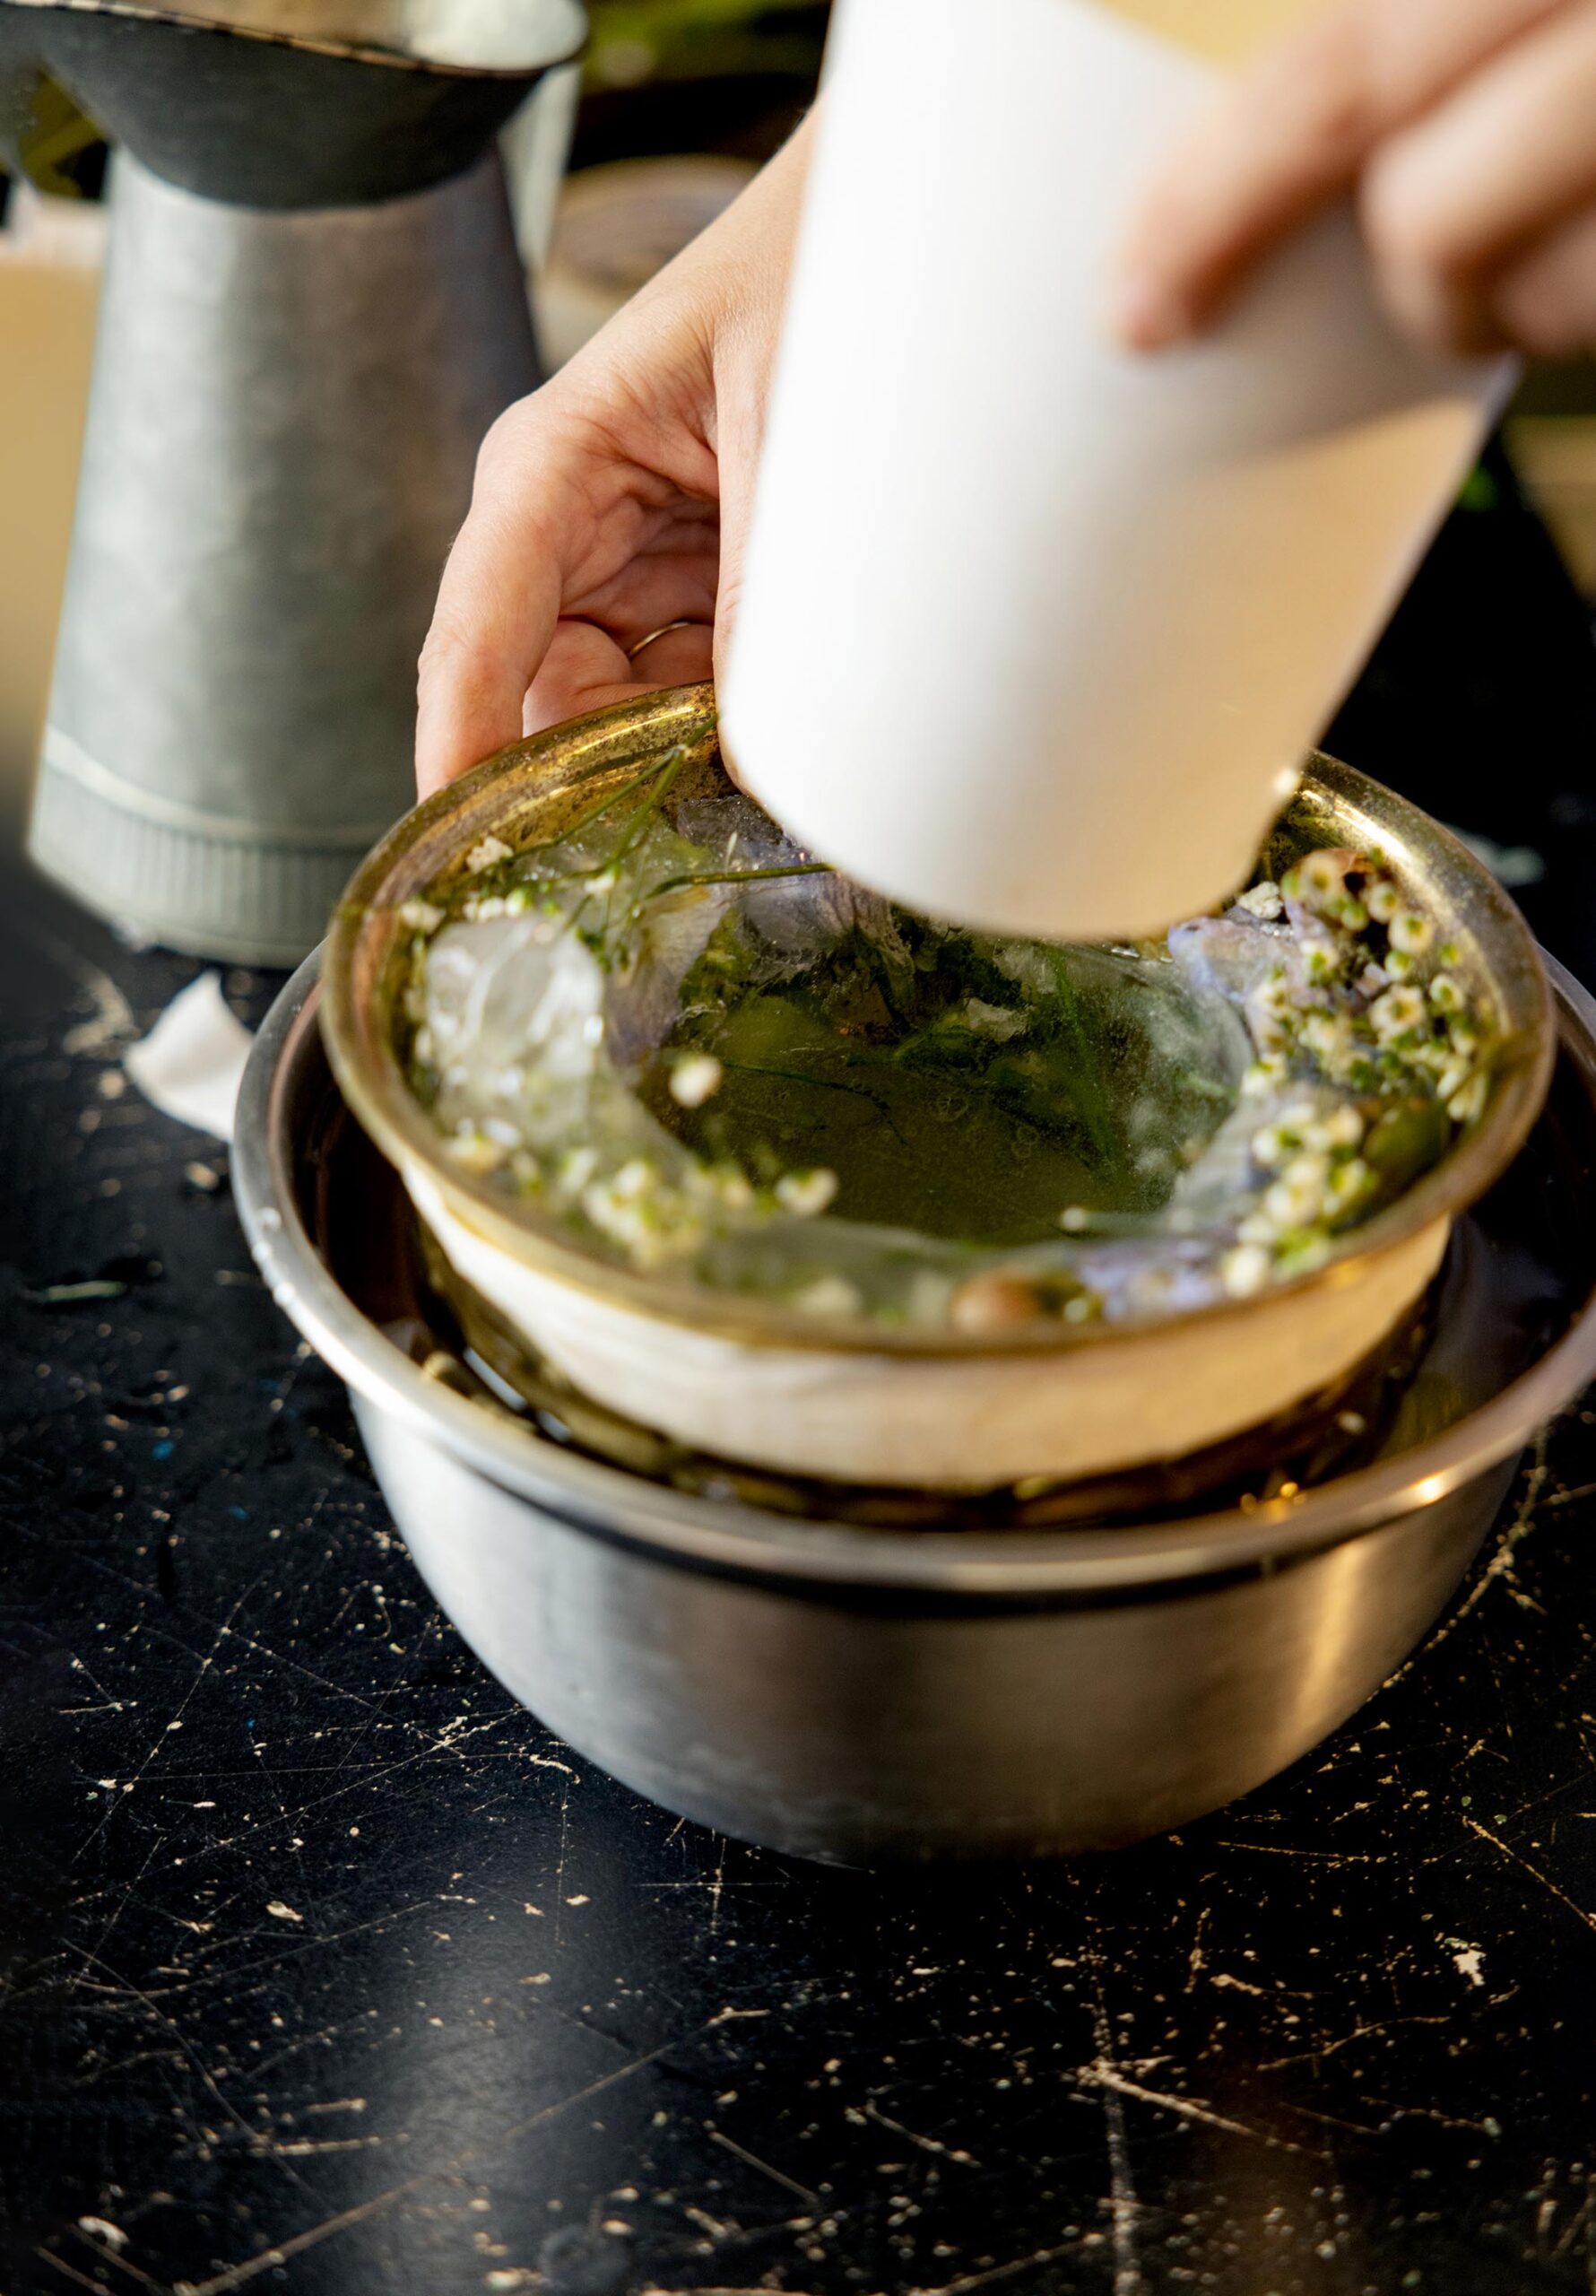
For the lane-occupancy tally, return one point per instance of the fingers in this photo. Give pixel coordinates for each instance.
(572, 552)
(1548, 301)
(586, 668)
(1496, 168)
(496, 613)
(744, 368)
(1287, 136)
(1288, 133)
(596, 516)
(669, 576)
(573, 513)
(739, 463)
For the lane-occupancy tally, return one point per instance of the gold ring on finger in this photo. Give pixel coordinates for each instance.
(665, 630)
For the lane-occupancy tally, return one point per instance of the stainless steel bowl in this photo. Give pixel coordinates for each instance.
(866, 1696)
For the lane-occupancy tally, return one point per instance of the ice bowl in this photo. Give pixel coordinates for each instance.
(760, 1380)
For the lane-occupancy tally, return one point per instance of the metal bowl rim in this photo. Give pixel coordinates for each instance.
(276, 25)
(377, 1093)
(732, 1537)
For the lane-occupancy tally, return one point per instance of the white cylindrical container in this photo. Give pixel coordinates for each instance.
(1036, 632)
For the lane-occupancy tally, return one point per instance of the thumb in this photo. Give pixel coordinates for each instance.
(742, 397)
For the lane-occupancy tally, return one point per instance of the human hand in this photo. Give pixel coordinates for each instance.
(615, 500)
(1465, 129)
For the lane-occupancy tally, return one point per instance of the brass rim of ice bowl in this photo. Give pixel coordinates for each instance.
(522, 791)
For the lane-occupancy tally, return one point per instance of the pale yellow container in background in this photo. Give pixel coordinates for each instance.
(50, 285)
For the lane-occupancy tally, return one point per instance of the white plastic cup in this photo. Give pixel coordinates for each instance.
(1035, 632)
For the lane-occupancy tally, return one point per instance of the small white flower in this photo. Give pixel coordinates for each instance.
(1306, 1172)
(1346, 1184)
(1244, 1270)
(1411, 932)
(1262, 1077)
(1270, 1147)
(576, 1168)
(806, 1195)
(1446, 994)
(696, 1079)
(485, 854)
(1468, 1106)
(1328, 1035)
(1297, 1197)
(628, 1221)
(420, 917)
(1397, 1012)
(828, 1295)
(1263, 900)
(1382, 901)
(733, 1187)
(474, 1152)
(1321, 877)
(1342, 1128)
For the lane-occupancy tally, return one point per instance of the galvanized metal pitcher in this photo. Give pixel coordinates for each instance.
(313, 308)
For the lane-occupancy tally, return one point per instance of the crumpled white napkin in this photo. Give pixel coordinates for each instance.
(192, 1062)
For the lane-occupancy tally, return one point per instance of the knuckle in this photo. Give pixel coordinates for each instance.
(446, 650)
(1541, 314)
(1403, 224)
(504, 442)
(494, 453)
(1333, 91)
(1401, 238)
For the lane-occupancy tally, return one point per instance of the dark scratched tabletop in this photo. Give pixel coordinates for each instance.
(326, 1969)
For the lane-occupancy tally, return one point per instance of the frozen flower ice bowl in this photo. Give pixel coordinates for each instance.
(751, 1158)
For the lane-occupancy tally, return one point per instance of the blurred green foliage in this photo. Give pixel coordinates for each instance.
(637, 41)
(60, 148)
